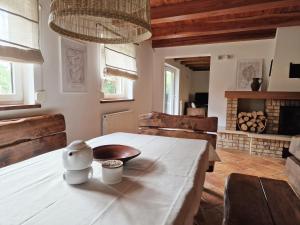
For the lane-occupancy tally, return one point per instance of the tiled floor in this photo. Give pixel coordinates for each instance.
(234, 162)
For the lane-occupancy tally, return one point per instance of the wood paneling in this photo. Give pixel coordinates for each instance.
(178, 23)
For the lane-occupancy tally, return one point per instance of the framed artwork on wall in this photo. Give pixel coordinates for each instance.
(73, 66)
(247, 69)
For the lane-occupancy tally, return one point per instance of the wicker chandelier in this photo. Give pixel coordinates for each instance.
(102, 21)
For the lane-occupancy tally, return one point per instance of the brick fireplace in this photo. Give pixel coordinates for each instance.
(271, 142)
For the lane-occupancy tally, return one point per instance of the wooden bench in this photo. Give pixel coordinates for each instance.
(191, 127)
(24, 138)
(251, 200)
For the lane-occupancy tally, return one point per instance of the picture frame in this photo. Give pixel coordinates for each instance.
(73, 66)
(247, 69)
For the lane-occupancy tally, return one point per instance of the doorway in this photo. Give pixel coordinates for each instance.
(186, 87)
(171, 90)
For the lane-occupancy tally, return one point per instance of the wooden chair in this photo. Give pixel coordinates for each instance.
(24, 138)
(191, 127)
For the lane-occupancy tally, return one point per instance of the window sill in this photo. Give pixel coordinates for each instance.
(109, 100)
(18, 107)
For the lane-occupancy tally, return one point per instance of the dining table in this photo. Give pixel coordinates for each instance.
(162, 186)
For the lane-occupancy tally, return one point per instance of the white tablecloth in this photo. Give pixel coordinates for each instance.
(161, 186)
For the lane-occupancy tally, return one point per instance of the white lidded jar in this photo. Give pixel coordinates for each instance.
(77, 156)
(112, 171)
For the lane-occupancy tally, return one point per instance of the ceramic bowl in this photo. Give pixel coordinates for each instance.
(115, 152)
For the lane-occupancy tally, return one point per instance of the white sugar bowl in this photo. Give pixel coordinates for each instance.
(77, 156)
(112, 171)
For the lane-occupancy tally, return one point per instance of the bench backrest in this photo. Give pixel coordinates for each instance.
(191, 127)
(24, 138)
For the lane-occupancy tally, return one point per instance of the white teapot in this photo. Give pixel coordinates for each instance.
(77, 156)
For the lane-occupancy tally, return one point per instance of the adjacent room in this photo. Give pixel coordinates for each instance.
(150, 112)
(186, 86)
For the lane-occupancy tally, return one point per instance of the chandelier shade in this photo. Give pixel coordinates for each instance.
(102, 21)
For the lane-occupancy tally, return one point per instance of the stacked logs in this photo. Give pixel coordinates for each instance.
(252, 121)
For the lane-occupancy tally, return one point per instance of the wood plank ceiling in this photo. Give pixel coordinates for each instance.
(201, 63)
(187, 22)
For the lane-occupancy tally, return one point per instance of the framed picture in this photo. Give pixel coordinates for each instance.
(247, 69)
(73, 66)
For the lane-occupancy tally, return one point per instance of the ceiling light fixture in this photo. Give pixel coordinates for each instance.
(102, 21)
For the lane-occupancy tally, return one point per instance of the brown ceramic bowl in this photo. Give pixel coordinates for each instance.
(115, 152)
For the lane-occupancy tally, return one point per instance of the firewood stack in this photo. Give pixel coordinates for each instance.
(254, 122)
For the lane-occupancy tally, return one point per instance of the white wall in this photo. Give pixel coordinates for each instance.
(83, 111)
(199, 82)
(222, 73)
(287, 50)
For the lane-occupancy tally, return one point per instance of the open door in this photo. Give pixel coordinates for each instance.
(171, 101)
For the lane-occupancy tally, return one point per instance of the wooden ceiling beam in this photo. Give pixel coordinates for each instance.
(194, 59)
(207, 39)
(198, 27)
(156, 3)
(192, 10)
(197, 65)
(200, 68)
(204, 62)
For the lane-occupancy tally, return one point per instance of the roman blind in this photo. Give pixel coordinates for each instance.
(120, 61)
(19, 31)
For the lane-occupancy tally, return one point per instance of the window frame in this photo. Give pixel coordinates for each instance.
(17, 96)
(126, 84)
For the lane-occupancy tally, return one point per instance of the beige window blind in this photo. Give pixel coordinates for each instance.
(19, 31)
(120, 61)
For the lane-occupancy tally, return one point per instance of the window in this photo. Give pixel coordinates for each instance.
(6, 79)
(19, 49)
(119, 71)
(11, 85)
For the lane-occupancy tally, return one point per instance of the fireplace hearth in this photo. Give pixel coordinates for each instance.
(282, 110)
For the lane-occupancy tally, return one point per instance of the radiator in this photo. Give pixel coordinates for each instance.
(118, 122)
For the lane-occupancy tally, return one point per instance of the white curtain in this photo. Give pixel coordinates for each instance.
(120, 60)
(19, 31)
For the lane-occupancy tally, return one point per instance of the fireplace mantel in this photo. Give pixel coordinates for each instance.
(276, 95)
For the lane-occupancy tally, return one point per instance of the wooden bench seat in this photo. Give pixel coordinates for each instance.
(251, 200)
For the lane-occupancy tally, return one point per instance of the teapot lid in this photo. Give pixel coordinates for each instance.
(78, 145)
